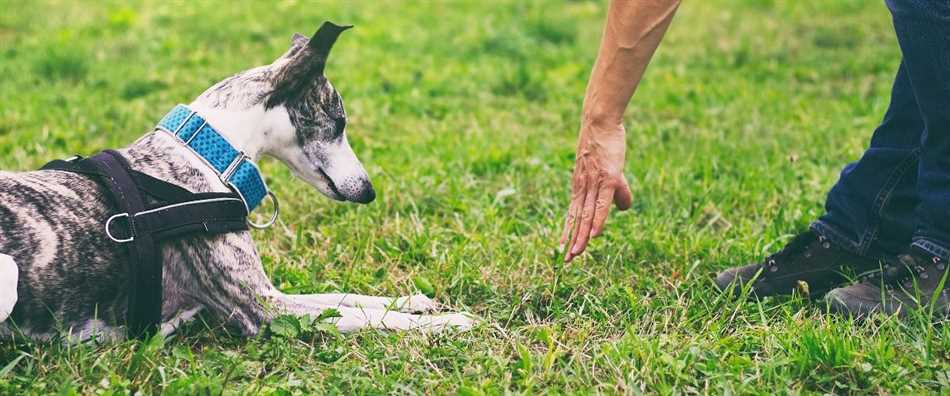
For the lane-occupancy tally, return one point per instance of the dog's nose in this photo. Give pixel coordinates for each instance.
(367, 194)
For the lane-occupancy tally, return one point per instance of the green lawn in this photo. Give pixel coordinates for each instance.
(465, 115)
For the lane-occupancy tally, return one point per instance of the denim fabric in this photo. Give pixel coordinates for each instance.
(898, 193)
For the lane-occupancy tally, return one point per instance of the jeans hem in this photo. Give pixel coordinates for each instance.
(836, 237)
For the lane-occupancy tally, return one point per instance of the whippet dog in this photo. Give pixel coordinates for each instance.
(61, 274)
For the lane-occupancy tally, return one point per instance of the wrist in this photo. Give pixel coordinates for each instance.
(602, 128)
(600, 120)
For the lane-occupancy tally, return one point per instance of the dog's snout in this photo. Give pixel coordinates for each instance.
(367, 194)
(355, 189)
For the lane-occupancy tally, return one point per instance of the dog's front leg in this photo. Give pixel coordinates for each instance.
(9, 274)
(224, 274)
(352, 318)
(417, 303)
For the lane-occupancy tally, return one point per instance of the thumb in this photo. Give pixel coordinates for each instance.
(622, 196)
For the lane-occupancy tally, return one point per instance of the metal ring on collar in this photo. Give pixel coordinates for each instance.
(273, 218)
(109, 233)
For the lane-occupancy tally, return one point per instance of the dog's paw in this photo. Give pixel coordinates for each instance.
(418, 303)
(8, 282)
(451, 322)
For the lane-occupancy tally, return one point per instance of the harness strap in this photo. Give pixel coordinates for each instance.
(144, 311)
(141, 226)
(211, 216)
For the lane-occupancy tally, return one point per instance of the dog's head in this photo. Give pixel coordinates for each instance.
(290, 111)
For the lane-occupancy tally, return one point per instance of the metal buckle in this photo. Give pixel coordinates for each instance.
(273, 218)
(183, 123)
(109, 224)
(233, 166)
(197, 131)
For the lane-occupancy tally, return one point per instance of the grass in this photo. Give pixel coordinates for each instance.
(465, 115)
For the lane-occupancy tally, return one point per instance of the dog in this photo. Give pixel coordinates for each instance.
(61, 275)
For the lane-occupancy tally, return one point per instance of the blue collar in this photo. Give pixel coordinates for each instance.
(233, 166)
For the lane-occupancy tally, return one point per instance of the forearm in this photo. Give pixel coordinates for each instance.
(632, 33)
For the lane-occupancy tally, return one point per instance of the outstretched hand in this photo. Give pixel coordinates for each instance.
(598, 181)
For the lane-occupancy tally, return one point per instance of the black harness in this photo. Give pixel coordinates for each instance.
(150, 211)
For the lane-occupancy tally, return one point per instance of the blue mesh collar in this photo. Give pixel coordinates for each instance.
(234, 167)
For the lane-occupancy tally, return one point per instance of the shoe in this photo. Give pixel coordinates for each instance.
(809, 258)
(909, 282)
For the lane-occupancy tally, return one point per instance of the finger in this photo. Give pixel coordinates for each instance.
(602, 210)
(582, 233)
(622, 196)
(568, 224)
(571, 232)
(577, 199)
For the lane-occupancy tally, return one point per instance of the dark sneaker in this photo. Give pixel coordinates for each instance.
(809, 258)
(911, 281)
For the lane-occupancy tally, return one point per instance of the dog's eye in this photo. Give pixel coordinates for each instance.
(340, 125)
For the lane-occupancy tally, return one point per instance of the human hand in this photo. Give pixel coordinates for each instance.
(598, 181)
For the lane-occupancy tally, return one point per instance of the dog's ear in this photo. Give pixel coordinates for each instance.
(297, 43)
(298, 40)
(322, 41)
(306, 63)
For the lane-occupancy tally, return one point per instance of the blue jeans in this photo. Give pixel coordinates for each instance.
(898, 193)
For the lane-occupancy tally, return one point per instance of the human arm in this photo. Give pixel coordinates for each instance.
(632, 33)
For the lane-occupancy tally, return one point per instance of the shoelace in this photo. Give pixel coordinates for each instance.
(797, 245)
